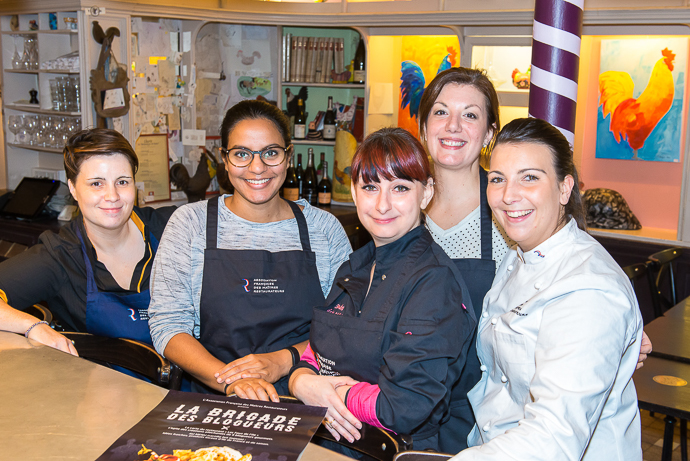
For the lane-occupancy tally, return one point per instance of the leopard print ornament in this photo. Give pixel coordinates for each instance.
(607, 209)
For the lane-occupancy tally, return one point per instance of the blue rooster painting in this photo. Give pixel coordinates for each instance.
(412, 84)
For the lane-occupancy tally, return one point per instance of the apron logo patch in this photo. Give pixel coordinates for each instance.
(337, 310)
(264, 286)
(518, 311)
(246, 285)
(143, 314)
(326, 366)
(131, 314)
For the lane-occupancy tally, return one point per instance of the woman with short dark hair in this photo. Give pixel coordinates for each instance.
(394, 333)
(94, 274)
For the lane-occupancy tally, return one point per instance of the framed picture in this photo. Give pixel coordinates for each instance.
(154, 170)
(641, 94)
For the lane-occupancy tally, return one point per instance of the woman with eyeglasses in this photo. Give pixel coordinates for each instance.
(235, 278)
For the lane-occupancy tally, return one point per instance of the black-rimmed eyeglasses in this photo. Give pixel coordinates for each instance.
(270, 156)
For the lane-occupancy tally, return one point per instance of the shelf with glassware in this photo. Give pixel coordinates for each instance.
(321, 72)
(42, 82)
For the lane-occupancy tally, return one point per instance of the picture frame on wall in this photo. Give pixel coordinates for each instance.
(641, 95)
(154, 166)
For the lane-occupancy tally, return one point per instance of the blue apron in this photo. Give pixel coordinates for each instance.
(116, 315)
(479, 275)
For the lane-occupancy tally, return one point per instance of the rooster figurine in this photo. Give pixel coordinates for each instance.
(633, 119)
(412, 84)
(521, 80)
(195, 187)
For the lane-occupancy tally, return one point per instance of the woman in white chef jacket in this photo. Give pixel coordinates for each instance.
(560, 331)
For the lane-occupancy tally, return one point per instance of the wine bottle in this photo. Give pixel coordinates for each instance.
(299, 173)
(325, 187)
(300, 121)
(319, 169)
(329, 121)
(359, 64)
(309, 183)
(291, 186)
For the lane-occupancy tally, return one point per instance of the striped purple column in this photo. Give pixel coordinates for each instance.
(555, 63)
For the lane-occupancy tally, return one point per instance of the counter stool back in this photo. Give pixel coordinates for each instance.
(375, 442)
(664, 279)
(40, 312)
(642, 279)
(126, 353)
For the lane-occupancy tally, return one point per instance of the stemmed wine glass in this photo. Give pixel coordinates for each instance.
(15, 125)
(31, 125)
(16, 57)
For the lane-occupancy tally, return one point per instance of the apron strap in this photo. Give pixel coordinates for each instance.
(301, 224)
(485, 225)
(212, 223)
(90, 279)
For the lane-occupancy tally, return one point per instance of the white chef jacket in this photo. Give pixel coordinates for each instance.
(559, 338)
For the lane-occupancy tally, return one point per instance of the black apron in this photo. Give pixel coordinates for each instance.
(479, 275)
(255, 301)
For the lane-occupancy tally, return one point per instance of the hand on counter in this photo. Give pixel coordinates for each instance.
(46, 335)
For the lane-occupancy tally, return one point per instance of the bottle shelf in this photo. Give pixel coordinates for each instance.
(52, 150)
(34, 109)
(313, 142)
(325, 85)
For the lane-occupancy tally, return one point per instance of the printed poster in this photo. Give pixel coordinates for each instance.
(195, 427)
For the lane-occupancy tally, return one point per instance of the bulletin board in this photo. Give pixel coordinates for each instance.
(154, 172)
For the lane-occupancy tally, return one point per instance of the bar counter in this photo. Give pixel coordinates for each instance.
(57, 406)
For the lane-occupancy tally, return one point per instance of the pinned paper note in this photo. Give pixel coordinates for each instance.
(152, 75)
(174, 120)
(113, 99)
(175, 41)
(186, 42)
(166, 74)
(164, 105)
(118, 124)
(194, 137)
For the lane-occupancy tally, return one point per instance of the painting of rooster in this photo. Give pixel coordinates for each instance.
(422, 57)
(640, 99)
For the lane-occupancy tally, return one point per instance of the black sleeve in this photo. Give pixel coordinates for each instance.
(426, 354)
(32, 276)
(156, 218)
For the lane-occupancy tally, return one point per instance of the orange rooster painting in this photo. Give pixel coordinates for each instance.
(640, 111)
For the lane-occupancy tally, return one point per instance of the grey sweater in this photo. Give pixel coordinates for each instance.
(179, 264)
